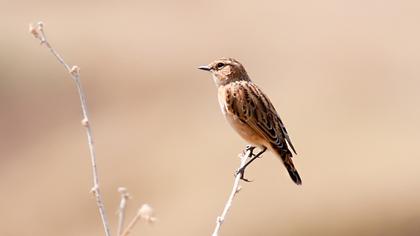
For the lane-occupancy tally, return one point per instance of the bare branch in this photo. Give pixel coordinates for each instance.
(37, 30)
(121, 211)
(244, 156)
(146, 213)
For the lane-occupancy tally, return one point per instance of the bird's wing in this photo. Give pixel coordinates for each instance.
(255, 109)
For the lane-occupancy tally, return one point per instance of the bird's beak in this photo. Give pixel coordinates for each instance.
(206, 68)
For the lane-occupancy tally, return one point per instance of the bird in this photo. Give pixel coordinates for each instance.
(250, 112)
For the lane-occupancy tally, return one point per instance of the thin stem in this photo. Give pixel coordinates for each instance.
(235, 189)
(131, 225)
(145, 212)
(121, 211)
(38, 32)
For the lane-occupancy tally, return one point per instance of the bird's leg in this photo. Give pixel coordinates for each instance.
(253, 157)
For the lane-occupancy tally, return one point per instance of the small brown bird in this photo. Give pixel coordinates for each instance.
(250, 112)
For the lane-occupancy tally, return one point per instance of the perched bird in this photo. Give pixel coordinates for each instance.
(250, 112)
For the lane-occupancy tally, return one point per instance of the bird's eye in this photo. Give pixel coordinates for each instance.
(220, 65)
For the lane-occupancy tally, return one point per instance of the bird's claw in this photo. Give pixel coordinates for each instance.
(246, 180)
(241, 171)
(250, 148)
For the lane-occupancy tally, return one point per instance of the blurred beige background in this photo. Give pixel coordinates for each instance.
(344, 76)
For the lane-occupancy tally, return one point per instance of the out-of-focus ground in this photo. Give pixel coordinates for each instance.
(344, 75)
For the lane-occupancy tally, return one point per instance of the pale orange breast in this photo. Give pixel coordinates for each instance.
(241, 127)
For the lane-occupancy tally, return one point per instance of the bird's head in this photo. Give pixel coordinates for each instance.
(226, 70)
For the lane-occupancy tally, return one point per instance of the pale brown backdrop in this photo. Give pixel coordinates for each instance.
(344, 75)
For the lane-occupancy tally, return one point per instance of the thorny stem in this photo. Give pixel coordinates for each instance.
(235, 189)
(38, 32)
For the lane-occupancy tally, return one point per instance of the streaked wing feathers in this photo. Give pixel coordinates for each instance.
(253, 107)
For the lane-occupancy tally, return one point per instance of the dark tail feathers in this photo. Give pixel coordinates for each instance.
(286, 157)
(292, 171)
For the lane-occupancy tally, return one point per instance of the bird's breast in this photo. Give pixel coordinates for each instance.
(222, 99)
(230, 101)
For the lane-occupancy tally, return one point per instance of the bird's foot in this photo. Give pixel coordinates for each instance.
(252, 157)
(241, 171)
(249, 148)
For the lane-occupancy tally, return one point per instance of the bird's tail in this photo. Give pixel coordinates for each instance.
(286, 157)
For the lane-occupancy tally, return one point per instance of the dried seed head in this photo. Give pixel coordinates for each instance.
(33, 30)
(146, 212)
(124, 193)
(122, 190)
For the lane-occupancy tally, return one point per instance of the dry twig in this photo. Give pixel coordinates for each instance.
(37, 30)
(146, 213)
(247, 154)
(121, 211)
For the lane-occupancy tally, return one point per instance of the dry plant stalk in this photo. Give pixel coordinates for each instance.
(37, 30)
(146, 213)
(244, 156)
(121, 211)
